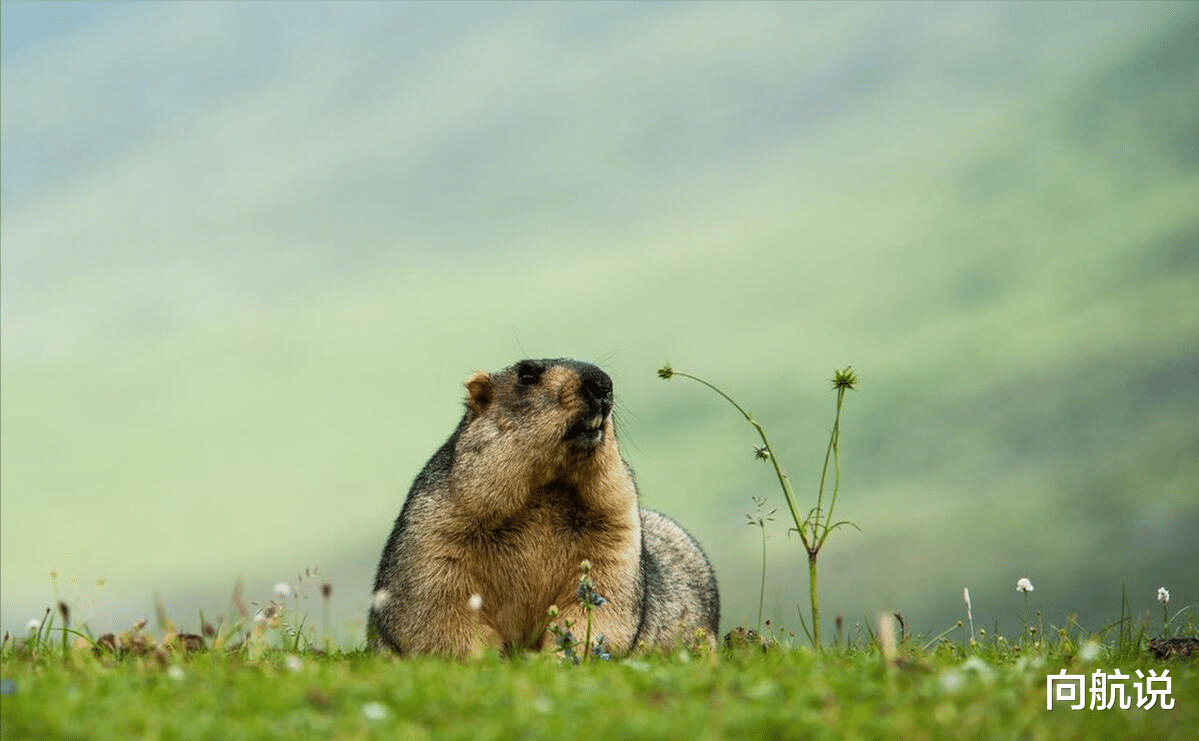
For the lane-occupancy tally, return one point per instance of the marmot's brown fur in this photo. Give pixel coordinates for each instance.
(530, 485)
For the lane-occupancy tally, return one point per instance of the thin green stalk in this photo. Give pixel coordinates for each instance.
(815, 599)
(784, 481)
(762, 587)
(818, 523)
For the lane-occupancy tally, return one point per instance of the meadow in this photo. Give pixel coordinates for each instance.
(269, 678)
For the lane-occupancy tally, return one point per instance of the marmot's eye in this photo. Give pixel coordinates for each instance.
(527, 374)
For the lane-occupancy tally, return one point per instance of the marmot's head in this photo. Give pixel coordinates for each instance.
(552, 414)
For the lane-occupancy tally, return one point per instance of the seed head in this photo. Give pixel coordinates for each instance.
(1024, 585)
(665, 372)
(380, 598)
(845, 379)
(1163, 595)
(475, 603)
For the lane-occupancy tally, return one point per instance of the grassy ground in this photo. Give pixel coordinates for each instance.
(911, 687)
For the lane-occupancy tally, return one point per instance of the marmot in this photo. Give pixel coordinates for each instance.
(530, 485)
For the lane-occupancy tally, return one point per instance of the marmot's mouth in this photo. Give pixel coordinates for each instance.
(587, 430)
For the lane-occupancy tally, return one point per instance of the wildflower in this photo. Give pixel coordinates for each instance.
(1024, 585)
(374, 711)
(951, 681)
(845, 379)
(600, 649)
(566, 640)
(475, 603)
(380, 599)
(1163, 595)
(978, 666)
(283, 590)
(588, 596)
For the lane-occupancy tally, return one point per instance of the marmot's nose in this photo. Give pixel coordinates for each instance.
(596, 387)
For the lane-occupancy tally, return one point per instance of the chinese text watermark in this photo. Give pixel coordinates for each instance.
(1107, 690)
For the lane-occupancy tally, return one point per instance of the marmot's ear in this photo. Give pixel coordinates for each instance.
(479, 393)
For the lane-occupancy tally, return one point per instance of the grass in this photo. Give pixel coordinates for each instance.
(917, 688)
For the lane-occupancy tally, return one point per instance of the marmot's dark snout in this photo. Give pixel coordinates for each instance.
(596, 389)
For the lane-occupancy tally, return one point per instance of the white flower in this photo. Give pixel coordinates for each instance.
(293, 662)
(374, 711)
(33, 625)
(1163, 595)
(1090, 650)
(1024, 585)
(176, 673)
(283, 590)
(475, 603)
(951, 681)
(380, 598)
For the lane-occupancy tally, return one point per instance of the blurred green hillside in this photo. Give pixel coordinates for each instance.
(243, 282)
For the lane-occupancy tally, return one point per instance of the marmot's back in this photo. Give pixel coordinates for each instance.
(680, 586)
(492, 533)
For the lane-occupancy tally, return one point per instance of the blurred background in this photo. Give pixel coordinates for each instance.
(252, 250)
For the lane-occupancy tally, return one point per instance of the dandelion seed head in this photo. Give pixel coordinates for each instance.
(475, 603)
(1024, 585)
(176, 673)
(293, 663)
(33, 624)
(1163, 595)
(952, 681)
(380, 599)
(374, 711)
(283, 590)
